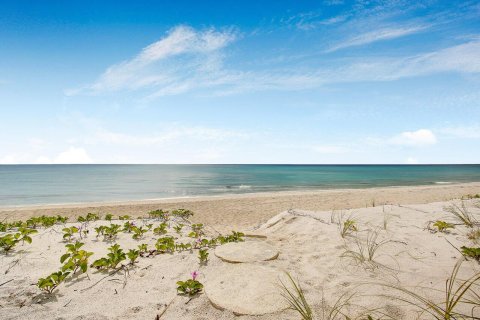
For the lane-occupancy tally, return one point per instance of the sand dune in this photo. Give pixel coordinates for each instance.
(310, 248)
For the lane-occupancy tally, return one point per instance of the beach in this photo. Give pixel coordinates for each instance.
(299, 233)
(248, 210)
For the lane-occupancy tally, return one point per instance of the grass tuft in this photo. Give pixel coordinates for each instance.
(462, 214)
(474, 235)
(366, 251)
(458, 293)
(296, 298)
(346, 225)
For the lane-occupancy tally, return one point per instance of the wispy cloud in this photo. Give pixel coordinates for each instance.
(72, 155)
(377, 35)
(158, 65)
(463, 58)
(187, 60)
(330, 149)
(418, 138)
(171, 134)
(469, 132)
(411, 160)
(312, 20)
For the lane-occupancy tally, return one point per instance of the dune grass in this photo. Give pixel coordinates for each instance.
(294, 295)
(474, 235)
(462, 214)
(346, 225)
(366, 251)
(458, 293)
(461, 301)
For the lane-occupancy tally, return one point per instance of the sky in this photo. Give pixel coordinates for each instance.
(327, 82)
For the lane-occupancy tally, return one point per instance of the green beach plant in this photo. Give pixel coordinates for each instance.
(473, 253)
(178, 228)
(165, 245)
(471, 196)
(110, 232)
(233, 237)
(138, 232)
(202, 243)
(8, 242)
(124, 217)
(347, 228)
(68, 233)
(443, 226)
(190, 287)
(113, 258)
(161, 229)
(132, 255)
(23, 234)
(182, 213)
(346, 225)
(88, 218)
(44, 221)
(197, 230)
(128, 226)
(203, 256)
(52, 281)
(99, 230)
(183, 246)
(75, 259)
(142, 248)
(159, 214)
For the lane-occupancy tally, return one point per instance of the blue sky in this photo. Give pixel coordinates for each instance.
(240, 82)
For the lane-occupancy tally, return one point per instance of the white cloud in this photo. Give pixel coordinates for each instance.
(155, 67)
(43, 160)
(186, 60)
(463, 58)
(330, 149)
(377, 35)
(10, 159)
(73, 155)
(421, 137)
(411, 160)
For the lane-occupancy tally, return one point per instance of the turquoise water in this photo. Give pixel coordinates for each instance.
(53, 184)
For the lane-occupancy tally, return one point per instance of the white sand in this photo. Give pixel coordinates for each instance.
(246, 210)
(310, 249)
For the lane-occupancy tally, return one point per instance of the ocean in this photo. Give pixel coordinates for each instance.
(61, 184)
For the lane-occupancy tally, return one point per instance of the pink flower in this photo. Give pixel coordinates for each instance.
(195, 275)
(199, 240)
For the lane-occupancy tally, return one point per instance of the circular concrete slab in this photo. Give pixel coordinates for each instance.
(245, 289)
(249, 251)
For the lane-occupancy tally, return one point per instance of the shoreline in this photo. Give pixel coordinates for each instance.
(193, 198)
(250, 209)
